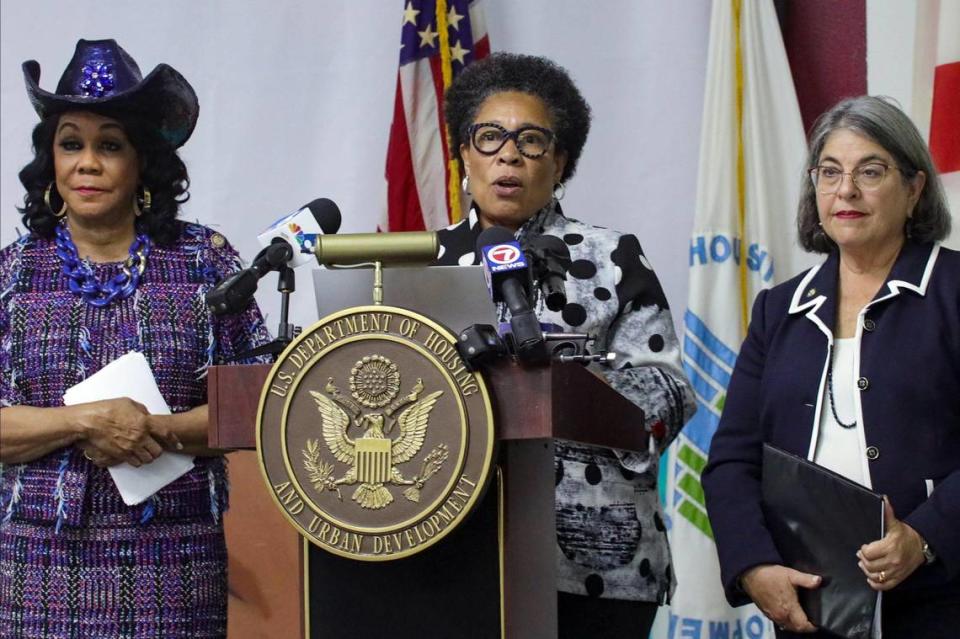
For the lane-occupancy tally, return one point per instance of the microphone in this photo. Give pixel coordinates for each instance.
(233, 294)
(508, 280)
(550, 262)
(504, 268)
(301, 229)
(288, 242)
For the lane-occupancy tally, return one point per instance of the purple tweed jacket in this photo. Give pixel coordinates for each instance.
(50, 340)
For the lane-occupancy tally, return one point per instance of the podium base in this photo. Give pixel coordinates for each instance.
(453, 590)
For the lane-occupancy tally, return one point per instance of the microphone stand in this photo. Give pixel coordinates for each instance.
(286, 284)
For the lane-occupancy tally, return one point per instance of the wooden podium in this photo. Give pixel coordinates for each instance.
(496, 574)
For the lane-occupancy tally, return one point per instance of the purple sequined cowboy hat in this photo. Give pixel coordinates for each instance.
(102, 73)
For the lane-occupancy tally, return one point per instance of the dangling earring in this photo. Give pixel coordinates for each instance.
(146, 200)
(465, 185)
(46, 200)
(559, 191)
(908, 228)
(819, 235)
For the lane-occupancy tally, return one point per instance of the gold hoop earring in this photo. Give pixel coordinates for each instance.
(46, 200)
(147, 199)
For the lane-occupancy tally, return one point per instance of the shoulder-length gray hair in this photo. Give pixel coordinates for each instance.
(880, 121)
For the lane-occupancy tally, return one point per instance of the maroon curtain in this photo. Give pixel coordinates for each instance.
(826, 42)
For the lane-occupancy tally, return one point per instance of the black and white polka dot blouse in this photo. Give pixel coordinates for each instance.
(611, 538)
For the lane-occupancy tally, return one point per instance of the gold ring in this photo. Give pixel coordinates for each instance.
(882, 576)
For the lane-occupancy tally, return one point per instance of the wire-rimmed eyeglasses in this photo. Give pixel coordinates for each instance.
(827, 179)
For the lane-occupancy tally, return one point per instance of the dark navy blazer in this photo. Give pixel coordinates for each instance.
(909, 405)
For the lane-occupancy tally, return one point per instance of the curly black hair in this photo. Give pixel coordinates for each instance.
(534, 75)
(161, 170)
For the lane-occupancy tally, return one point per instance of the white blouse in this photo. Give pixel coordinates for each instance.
(839, 448)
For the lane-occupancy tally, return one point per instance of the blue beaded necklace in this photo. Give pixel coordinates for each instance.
(80, 278)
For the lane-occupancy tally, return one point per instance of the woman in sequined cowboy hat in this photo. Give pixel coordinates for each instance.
(107, 268)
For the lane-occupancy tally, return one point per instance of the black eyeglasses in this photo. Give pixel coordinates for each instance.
(532, 141)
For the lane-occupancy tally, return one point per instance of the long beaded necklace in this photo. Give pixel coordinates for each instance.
(81, 280)
(833, 407)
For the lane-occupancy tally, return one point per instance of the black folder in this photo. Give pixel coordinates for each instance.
(818, 520)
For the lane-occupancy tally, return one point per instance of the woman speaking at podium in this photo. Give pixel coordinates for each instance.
(519, 124)
(106, 269)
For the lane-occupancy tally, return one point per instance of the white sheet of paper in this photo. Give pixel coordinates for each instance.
(130, 376)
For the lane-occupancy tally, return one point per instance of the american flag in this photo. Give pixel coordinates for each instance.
(438, 38)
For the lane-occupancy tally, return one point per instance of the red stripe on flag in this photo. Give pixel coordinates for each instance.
(481, 48)
(403, 200)
(945, 118)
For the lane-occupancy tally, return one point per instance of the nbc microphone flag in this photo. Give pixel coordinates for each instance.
(752, 153)
(438, 38)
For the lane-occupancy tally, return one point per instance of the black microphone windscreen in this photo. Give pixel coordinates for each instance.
(493, 235)
(233, 294)
(551, 244)
(326, 213)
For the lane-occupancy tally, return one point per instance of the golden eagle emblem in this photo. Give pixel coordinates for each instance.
(373, 457)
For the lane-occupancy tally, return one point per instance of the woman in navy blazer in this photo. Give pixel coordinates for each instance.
(888, 295)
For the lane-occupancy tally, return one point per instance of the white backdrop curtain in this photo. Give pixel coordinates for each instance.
(296, 100)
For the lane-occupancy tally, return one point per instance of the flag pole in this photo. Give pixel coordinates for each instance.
(741, 169)
(446, 69)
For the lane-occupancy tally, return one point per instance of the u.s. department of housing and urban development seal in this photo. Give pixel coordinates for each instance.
(375, 439)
